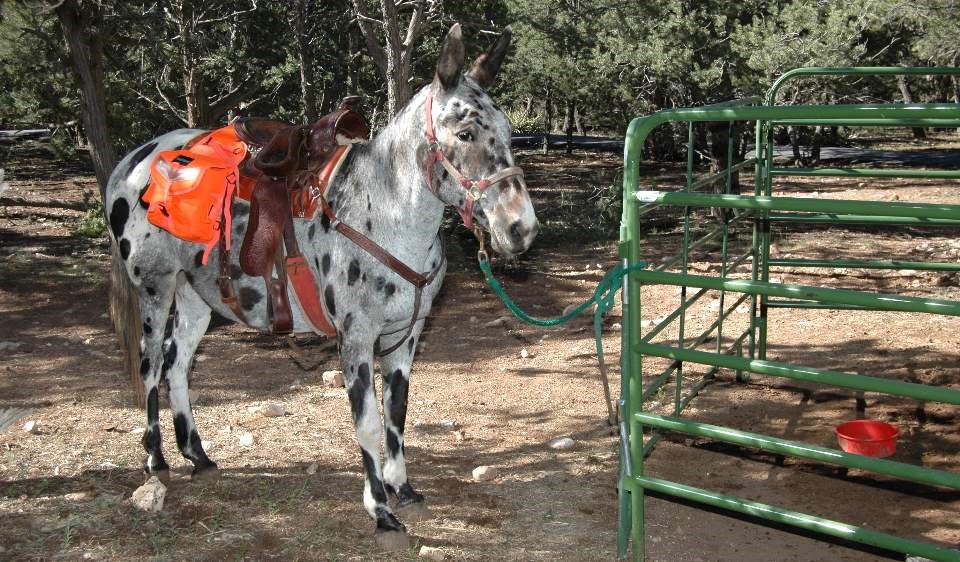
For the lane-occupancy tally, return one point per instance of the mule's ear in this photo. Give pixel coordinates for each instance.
(487, 65)
(450, 63)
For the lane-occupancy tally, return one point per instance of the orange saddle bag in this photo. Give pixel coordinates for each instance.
(191, 190)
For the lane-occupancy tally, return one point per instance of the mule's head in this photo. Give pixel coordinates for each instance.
(473, 136)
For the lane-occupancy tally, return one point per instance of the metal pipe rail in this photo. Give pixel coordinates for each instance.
(835, 206)
(801, 450)
(796, 519)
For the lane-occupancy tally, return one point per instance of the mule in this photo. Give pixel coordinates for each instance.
(394, 190)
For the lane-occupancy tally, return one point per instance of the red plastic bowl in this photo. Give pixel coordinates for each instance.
(868, 437)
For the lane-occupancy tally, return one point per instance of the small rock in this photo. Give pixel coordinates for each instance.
(194, 395)
(9, 345)
(715, 304)
(502, 321)
(207, 445)
(432, 553)
(273, 411)
(460, 435)
(449, 424)
(473, 319)
(485, 473)
(77, 496)
(647, 323)
(333, 378)
(312, 468)
(31, 427)
(616, 326)
(561, 443)
(149, 497)
(138, 429)
(246, 439)
(524, 353)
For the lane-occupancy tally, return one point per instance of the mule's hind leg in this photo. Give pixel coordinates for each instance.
(190, 319)
(156, 297)
(396, 376)
(356, 357)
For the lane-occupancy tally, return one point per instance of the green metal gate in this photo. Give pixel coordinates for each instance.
(746, 351)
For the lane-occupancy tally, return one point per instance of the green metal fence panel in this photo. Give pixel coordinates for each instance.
(747, 352)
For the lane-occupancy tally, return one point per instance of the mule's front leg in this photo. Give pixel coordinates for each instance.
(396, 383)
(357, 362)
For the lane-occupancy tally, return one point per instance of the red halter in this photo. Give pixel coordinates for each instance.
(474, 188)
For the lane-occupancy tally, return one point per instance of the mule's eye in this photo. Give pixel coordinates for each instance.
(465, 136)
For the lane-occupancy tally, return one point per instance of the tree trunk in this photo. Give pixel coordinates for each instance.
(393, 58)
(308, 94)
(578, 121)
(547, 122)
(918, 132)
(720, 139)
(568, 126)
(80, 29)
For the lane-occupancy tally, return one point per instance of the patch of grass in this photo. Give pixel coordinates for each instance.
(93, 224)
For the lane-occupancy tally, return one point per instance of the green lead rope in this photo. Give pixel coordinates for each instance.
(604, 297)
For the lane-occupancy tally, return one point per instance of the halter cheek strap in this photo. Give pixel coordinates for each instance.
(474, 188)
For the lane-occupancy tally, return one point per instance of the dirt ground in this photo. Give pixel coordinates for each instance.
(63, 488)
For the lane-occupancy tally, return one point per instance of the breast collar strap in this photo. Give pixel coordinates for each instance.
(473, 189)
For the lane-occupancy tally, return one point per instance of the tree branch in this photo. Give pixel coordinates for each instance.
(370, 37)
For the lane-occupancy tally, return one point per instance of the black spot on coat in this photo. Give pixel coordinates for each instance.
(151, 291)
(389, 290)
(369, 226)
(249, 298)
(353, 272)
(358, 390)
(329, 301)
(325, 223)
(198, 259)
(136, 271)
(312, 231)
(399, 387)
(170, 355)
(119, 213)
(147, 330)
(347, 322)
(144, 366)
(139, 155)
(325, 265)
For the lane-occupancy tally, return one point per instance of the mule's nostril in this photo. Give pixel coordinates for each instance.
(516, 233)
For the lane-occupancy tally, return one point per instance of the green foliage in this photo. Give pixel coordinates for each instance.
(93, 223)
(525, 122)
(170, 63)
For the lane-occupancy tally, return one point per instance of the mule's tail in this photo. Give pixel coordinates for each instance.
(125, 313)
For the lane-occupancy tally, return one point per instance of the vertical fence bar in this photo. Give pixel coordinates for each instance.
(684, 261)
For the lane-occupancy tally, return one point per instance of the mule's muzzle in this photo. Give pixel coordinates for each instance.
(520, 236)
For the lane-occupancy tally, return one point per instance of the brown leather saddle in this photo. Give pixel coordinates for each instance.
(289, 175)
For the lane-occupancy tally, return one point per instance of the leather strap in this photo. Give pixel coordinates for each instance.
(474, 188)
(416, 279)
(227, 293)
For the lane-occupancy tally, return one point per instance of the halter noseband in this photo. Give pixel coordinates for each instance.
(474, 189)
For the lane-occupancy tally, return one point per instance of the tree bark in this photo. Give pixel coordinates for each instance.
(308, 94)
(918, 132)
(393, 58)
(547, 122)
(85, 42)
(81, 29)
(568, 126)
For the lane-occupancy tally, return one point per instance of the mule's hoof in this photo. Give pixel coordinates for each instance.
(413, 512)
(162, 475)
(209, 475)
(393, 541)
